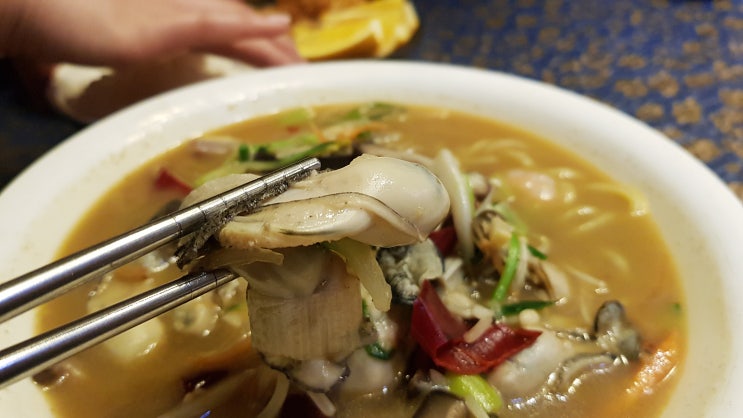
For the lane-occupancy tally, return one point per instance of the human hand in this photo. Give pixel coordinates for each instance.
(120, 32)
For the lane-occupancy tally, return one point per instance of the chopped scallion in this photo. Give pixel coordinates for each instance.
(243, 152)
(296, 116)
(234, 307)
(364, 309)
(291, 144)
(536, 253)
(509, 271)
(375, 350)
(379, 110)
(373, 111)
(261, 166)
(364, 136)
(515, 308)
(477, 388)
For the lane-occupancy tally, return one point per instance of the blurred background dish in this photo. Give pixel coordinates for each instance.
(322, 30)
(673, 64)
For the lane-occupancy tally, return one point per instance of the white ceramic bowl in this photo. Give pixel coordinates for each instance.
(701, 220)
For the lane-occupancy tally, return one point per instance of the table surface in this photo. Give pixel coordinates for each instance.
(677, 65)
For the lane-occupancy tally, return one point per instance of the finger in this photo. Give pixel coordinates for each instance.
(261, 52)
(286, 43)
(214, 28)
(199, 24)
(235, 14)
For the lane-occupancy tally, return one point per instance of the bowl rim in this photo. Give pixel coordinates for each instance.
(239, 95)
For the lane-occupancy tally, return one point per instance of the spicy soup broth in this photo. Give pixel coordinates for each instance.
(594, 227)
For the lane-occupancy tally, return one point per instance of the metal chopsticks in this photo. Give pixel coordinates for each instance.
(36, 354)
(34, 288)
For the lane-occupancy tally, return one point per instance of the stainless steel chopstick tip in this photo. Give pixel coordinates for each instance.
(43, 284)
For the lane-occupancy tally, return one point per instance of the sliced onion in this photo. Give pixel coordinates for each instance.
(273, 407)
(195, 406)
(519, 279)
(361, 261)
(446, 168)
(323, 403)
(238, 256)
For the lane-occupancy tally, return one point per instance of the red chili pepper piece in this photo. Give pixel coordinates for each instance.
(445, 239)
(167, 180)
(439, 333)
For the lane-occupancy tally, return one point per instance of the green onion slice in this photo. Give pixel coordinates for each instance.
(477, 388)
(514, 308)
(375, 350)
(509, 271)
(536, 253)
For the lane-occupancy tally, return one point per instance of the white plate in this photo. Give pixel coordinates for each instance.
(700, 218)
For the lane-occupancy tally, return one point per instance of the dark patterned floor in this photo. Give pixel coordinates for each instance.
(677, 65)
